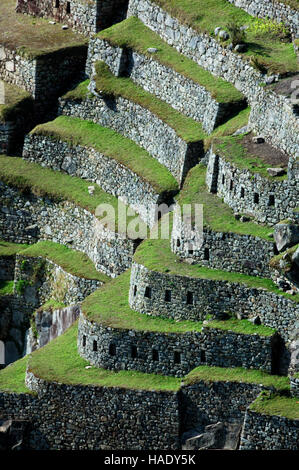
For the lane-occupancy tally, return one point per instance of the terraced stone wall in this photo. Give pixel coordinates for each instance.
(275, 10)
(270, 115)
(263, 432)
(113, 177)
(26, 218)
(225, 251)
(85, 17)
(194, 298)
(97, 418)
(141, 126)
(45, 77)
(171, 353)
(181, 93)
(209, 402)
(269, 201)
(44, 280)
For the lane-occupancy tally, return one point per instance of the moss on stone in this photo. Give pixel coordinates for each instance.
(276, 405)
(11, 249)
(12, 378)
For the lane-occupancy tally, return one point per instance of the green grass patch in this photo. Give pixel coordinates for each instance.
(204, 16)
(59, 361)
(276, 405)
(286, 257)
(16, 102)
(217, 215)
(52, 304)
(232, 150)
(185, 127)
(237, 374)
(12, 377)
(75, 131)
(111, 310)
(6, 287)
(33, 37)
(241, 327)
(72, 261)
(11, 249)
(156, 255)
(229, 127)
(134, 34)
(58, 186)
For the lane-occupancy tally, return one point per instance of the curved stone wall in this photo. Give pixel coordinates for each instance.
(269, 201)
(194, 298)
(44, 280)
(113, 177)
(26, 218)
(181, 93)
(141, 126)
(226, 251)
(171, 353)
(276, 10)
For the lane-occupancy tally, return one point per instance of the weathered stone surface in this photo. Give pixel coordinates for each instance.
(286, 235)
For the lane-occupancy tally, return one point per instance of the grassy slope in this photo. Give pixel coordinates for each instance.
(6, 287)
(12, 378)
(10, 249)
(88, 134)
(206, 15)
(157, 256)
(109, 310)
(46, 182)
(236, 374)
(134, 34)
(231, 149)
(33, 36)
(16, 101)
(60, 361)
(72, 261)
(185, 127)
(276, 405)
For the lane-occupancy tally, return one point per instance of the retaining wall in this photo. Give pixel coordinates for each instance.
(141, 126)
(26, 218)
(85, 17)
(181, 93)
(207, 296)
(267, 200)
(263, 432)
(171, 353)
(87, 163)
(275, 10)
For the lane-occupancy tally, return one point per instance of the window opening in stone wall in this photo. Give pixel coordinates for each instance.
(190, 251)
(94, 346)
(223, 179)
(206, 254)
(148, 292)
(178, 243)
(68, 7)
(256, 198)
(242, 193)
(135, 291)
(168, 295)
(133, 351)
(202, 356)
(190, 298)
(155, 355)
(177, 357)
(84, 341)
(231, 185)
(271, 200)
(57, 4)
(112, 349)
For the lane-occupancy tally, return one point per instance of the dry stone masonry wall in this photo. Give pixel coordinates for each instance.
(171, 353)
(87, 163)
(141, 126)
(271, 9)
(27, 219)
(194, 298)
(181, 93)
